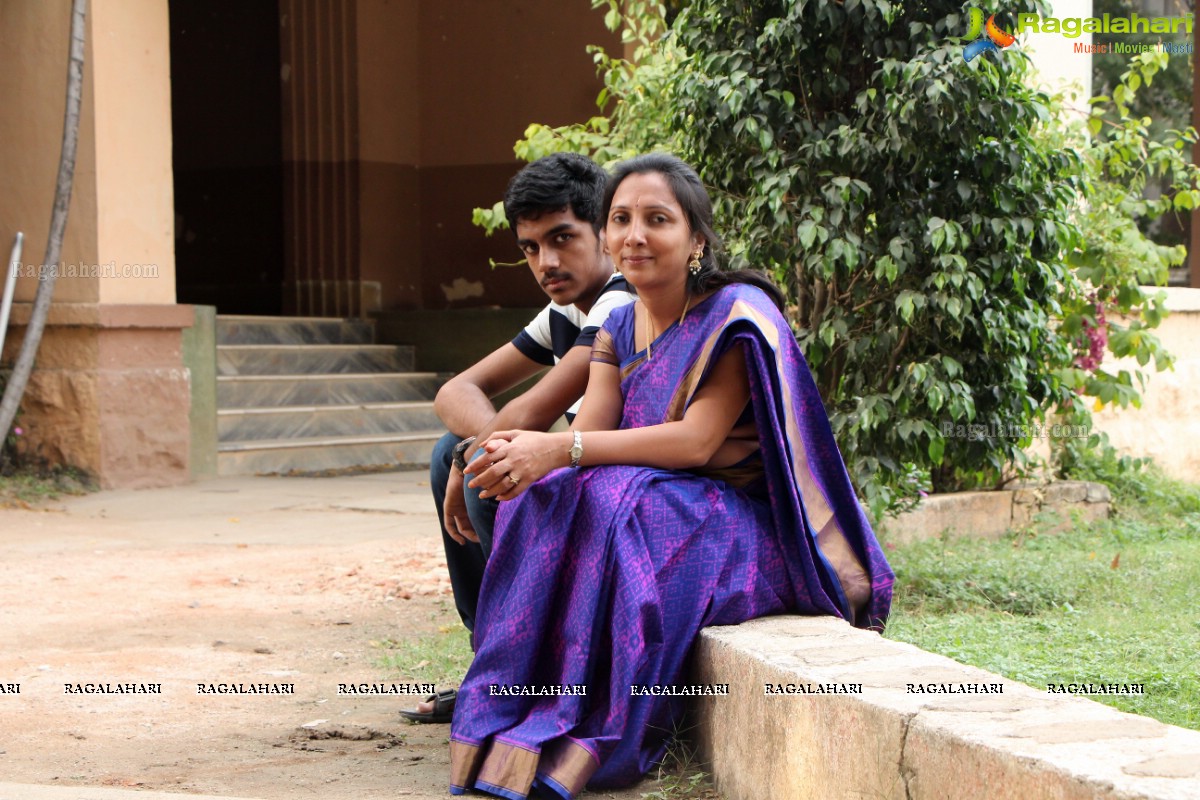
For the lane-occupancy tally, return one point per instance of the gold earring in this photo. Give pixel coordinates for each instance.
(694, 264)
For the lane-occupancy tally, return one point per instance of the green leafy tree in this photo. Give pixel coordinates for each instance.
(1112, 312)
(923, 213)
(1168, 103)
(905, 200)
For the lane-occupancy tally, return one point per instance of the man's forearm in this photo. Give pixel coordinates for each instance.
(470, 413)
(464, 410)
(465, 407)
(517, 414)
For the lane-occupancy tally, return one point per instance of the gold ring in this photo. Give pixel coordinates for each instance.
(513, 481)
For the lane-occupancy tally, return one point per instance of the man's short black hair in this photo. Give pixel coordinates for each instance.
(556, 182)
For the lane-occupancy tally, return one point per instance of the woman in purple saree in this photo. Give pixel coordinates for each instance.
(700, 485)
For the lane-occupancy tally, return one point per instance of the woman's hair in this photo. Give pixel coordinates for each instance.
(693, 198)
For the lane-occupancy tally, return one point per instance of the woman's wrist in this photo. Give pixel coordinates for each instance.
(562, 447)
(575, 449)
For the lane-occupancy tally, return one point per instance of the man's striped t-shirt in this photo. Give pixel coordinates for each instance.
(556, 329)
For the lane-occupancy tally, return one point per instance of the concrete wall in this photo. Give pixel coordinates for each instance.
(451, 341)
(33, 91)
(121, 204)
(489, 70)
(910, 725)
(389, 127)
(1059, 67)
(1167, 426)
(438, 94)
(200, 359)
(135, 219)
(109, 393)
(1053, 508)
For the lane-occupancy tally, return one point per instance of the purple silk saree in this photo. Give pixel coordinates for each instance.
(601, 578)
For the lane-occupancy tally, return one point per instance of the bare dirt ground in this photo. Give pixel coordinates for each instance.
(248, 580)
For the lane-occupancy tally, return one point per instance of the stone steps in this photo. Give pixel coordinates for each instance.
(234, 329)
(308, 455)
(258, 391)
(310, 394)
(310, 359)
(247, 424)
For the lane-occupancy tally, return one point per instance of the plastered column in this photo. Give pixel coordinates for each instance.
(109, 392)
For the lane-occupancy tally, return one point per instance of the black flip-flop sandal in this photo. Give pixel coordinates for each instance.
(443, 708)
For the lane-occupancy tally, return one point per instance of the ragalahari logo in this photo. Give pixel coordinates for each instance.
(993, 37)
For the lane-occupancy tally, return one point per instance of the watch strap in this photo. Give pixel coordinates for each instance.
(576, 450)
(460, 451)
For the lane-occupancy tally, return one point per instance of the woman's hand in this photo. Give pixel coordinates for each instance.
(512, 460)
(454, 510)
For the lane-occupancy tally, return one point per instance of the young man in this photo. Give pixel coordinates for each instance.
(553, 206)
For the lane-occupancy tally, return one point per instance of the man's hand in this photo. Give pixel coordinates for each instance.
(515, 459)
(454, 510)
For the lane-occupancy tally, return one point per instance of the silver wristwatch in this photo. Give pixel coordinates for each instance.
(576, 451)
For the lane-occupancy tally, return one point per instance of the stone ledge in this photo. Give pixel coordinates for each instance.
(101, 315)
(889, 743)
(1180, 299)
(988, 515)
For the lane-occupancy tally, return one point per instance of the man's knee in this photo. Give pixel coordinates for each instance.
(482, 513)
(442, 458)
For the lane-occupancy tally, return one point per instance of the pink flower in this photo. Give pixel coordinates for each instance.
(18, 432)
(1095, 337)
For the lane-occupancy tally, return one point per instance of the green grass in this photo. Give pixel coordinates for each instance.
(1111, 602)
(680, 776)
(440, 657)
(25, 488)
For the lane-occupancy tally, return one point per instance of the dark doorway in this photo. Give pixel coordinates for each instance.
(225, 116)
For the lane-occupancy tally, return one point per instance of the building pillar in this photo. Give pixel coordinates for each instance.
(320, 153)
(109, 393)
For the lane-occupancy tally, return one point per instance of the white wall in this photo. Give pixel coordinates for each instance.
(1059, 67)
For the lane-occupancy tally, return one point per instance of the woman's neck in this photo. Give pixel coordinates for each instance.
(666, 307)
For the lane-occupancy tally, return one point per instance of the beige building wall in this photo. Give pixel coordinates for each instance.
(488, 71)
(1058, 67)
(389, 91)
(1167, 426)
(33, 97)
(440, 92)
(109, 393)
(121, 210)
(135, 224)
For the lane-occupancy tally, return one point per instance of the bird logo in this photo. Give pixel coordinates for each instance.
(992, 38)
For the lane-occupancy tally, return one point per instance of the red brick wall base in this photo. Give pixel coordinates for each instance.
(109, 392)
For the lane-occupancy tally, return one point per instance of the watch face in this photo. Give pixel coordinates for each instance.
(460, 451)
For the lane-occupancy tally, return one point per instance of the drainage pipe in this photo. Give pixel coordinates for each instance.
(10, 285)
(15, 389)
